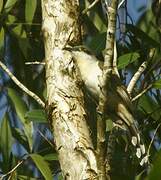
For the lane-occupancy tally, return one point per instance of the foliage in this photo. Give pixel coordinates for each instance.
(24, 133)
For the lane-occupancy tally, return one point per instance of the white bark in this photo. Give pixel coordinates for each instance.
(65, 99)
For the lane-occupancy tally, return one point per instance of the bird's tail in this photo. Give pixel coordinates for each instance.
(138, 143)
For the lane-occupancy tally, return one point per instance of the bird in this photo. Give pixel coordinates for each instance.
(119, 106)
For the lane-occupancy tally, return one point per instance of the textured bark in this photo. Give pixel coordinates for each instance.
(67, 115)
(105, 81)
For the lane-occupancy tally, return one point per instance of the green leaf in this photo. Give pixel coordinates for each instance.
(6, 142)
(9, 5)
(37, 115)
(147, 105)
(22, 39)
(147, 23)
(1, 5)
(30, 10)
(21, 138)
(109, 125)
(21, 110)
(2, 34)
(17, 30)
(21, 177)
(157, 84)
(20, 105)
(143, 36)
(126, 59)
(42, 165)
(96, 19)
(155, 172)
(51, 157)
(24, 46)
(97, 44)
(11, 19)
(45, 93)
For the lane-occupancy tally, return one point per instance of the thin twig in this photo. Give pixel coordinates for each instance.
(151, 142)
(21, 86)
(12, 170)
(90, 7)
(143, 92)
(136, 76)
(45, 138)
(35, 63)
(115, 59)
(120, 4)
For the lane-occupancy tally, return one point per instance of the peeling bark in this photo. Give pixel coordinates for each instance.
(64, 91)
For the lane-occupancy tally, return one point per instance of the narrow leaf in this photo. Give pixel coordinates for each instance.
(97, 43)
(21, 177)
(96, 19)
(20, 137)
(22, 39)
(157, 84)
(42, 165)
(20, 105)
(147, 105)
(37, 115)
(24, 46)
(21, 110)
(6, 142)
(17, 30)
(30, 10)
(2, 34)
(51, 157)
(155, 172)
(9, 5)
(142, 35)
(126, 59)
(1, 5)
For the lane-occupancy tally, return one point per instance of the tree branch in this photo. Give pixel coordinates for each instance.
(35, 63)
(90, 6)
(151, 142)
(121, 3)
(140, 94)
(110, 38)
(12, 170)
(104, 81)
(110, 148)
(136, 76)
(21, 86)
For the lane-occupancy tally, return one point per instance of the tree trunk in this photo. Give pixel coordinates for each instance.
(65, 102)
